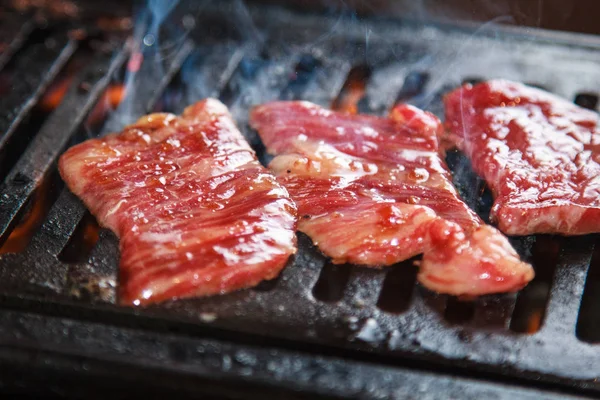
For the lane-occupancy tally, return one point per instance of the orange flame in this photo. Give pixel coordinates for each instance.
(350, 98)
(353, 91)
(55, 94)
(110, 99)
(534, 322)
(91, 233)
(21, 235)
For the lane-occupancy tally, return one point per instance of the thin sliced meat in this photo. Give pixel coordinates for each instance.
(195, 212)
(374, 191)
(538, 153)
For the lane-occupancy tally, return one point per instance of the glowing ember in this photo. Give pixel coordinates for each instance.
(353, 91)
(55, 94)
(21, 235)
(534, 322)
(57, 8)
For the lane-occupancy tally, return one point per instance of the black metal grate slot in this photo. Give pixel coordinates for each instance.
(302, 272)
(81, 242)
(414, 85)
(432, 101)
(459, 311)
(398, 287)
(204, 73)
(568, 286)
(531, 302)
(470, 186)
(332, 283)
(493, 312)
(304, 72)
(588, 322)
(587, 100)
(33, 214)
(353, 90)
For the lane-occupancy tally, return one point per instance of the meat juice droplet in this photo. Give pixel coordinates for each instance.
(414, 200)
(389, 216)
(419, 175)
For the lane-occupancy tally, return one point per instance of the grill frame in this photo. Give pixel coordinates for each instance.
(411, 338)
(71, 357)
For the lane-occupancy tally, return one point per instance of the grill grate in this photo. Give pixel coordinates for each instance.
(32, 73)
(383, 315)
(13, 32)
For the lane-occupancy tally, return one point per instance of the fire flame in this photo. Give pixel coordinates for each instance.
(534, 322)
(352, 92)
(55, 94)
(21, 235)
(110, 99)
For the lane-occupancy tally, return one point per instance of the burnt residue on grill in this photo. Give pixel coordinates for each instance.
(67, 266)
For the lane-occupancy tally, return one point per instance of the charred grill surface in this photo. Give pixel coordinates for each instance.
(57, 266)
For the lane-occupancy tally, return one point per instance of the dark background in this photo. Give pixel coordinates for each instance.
(575, 16)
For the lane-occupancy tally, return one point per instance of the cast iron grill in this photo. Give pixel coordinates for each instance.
(56, 262)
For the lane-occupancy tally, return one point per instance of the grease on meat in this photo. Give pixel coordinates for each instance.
(195, 212)
(374, 191)
(538, 153)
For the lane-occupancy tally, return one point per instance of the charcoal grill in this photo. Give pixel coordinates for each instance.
(319, 330)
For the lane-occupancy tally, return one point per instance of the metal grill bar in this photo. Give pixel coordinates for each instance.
(104, 257)
(61, 126)
(364, 286)
(13, 33)
(33, 72)
(587, 324)
(567, 290)
(107, 352)
(302, 272)
(60, 224)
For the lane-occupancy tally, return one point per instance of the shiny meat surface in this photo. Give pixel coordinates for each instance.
(374, 191)
(195, 212)
(539, 154)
